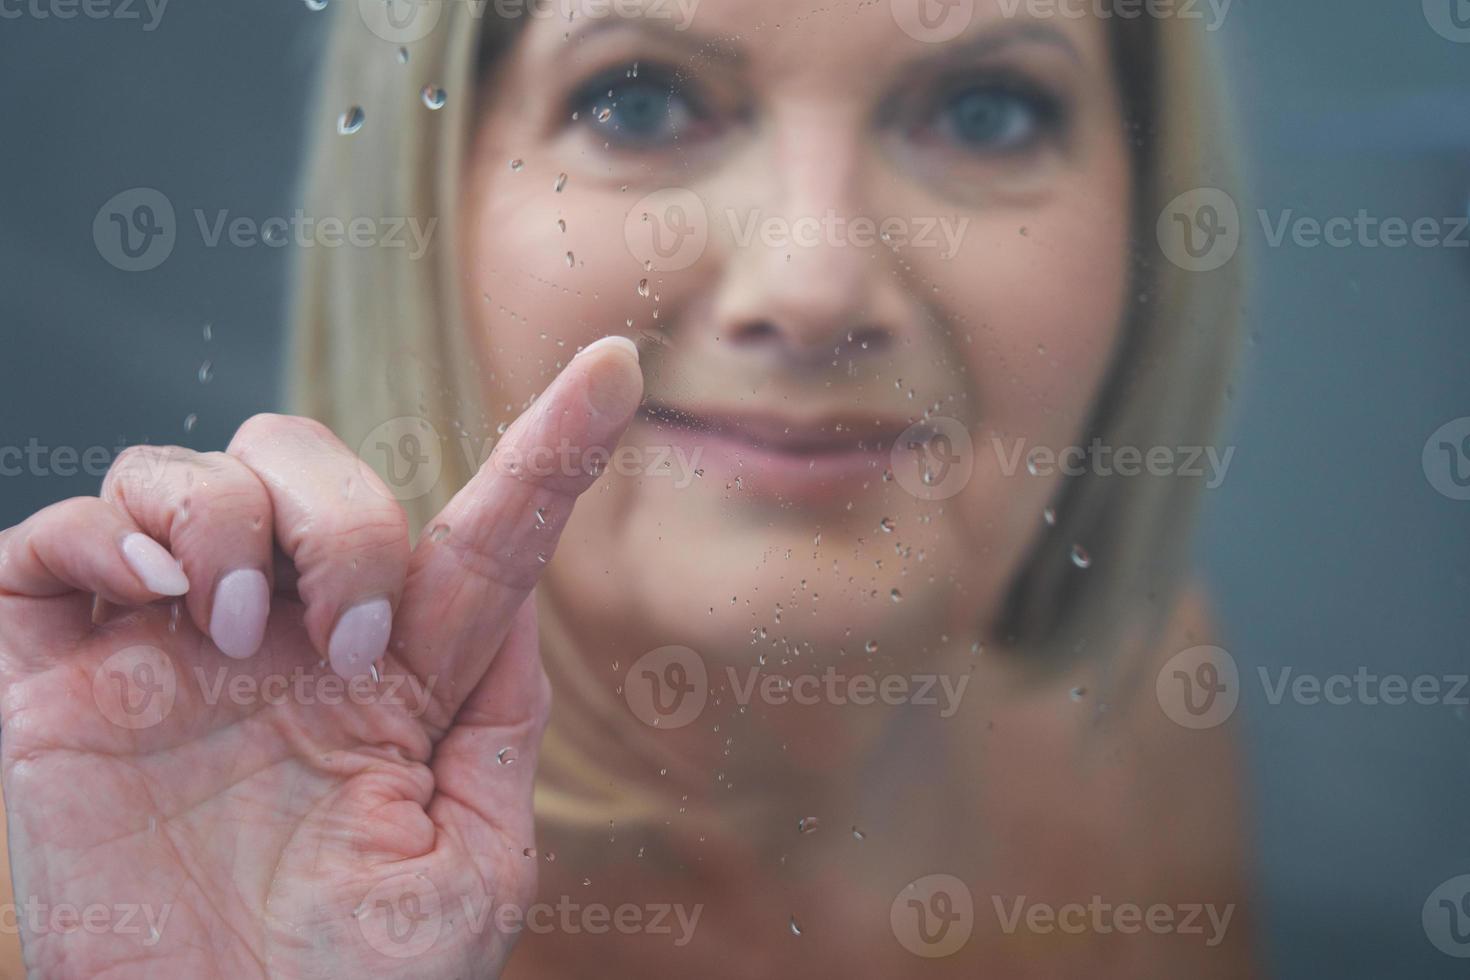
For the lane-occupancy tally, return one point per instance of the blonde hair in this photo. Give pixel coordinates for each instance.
(379, 336)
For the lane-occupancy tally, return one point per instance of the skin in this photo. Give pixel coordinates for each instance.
(266, 825)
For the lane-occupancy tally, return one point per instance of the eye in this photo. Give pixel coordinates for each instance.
(991, 117)
(639, 108)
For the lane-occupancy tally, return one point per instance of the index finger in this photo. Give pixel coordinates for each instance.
(481, 556)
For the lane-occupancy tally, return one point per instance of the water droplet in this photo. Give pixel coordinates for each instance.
(871, 646)
(886, 524)
(190, 421)
(208, 332)
(561, 223)
(529, 852)
(896, 595)
(506, 756)
(551, 855)
(403, 56)
(439, 533)
(561, 183)
(604, 114)
(316, 4)
(1033, 465)
(807, 825)
(857, 834)
(643, 288)
(1080, 557)
(373, 673)
(351, 121)
(541, 557)
(571, 261)
(540, 516)
(1078, 693)
(434, 97)
(206, 372)
(517, 165)
(795, 929)
(1050, 516)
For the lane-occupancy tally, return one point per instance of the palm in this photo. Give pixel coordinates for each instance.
(286, 822)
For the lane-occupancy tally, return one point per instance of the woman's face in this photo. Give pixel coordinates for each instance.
(822, 224)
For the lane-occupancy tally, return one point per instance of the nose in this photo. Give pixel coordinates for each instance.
(808, 278)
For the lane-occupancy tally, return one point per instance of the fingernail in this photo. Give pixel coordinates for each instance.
(152, 563)
(614, 340)
(360, 637)
(614, 388)
(242, 604)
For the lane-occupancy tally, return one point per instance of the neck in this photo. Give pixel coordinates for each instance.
(777, 739)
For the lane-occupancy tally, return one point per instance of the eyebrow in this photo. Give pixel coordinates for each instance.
(713, 47)
(998, 38)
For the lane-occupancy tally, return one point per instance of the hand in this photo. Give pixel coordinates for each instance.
(200, 793)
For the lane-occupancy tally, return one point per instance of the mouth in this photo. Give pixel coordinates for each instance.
(810, 457)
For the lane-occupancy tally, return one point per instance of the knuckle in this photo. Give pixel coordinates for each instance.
(377, 529)
(139, 469)
(267, 426)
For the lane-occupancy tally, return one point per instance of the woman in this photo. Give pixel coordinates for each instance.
(852, 679)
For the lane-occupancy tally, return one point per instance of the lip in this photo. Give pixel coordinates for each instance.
(798, 458)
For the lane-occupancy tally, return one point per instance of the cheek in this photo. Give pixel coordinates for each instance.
(548, 272)
(1040, 296)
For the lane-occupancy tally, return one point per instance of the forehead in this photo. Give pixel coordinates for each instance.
(813, 39)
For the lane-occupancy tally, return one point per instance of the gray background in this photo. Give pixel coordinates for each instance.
(1327, 547)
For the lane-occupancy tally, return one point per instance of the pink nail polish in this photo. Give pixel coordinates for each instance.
(153, 565)
(241, 608)
(360, 637)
